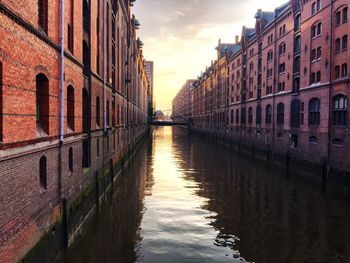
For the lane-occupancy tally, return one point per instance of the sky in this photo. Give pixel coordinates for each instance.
(180, 36)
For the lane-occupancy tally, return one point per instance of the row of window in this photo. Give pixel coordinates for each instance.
(339, 114)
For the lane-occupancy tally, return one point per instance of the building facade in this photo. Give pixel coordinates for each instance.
(181, 105)
(150, 76)
(74, 95)
(287, 85)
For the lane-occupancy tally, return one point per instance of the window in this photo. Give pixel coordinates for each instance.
(340, 104)
(316, 30)
(280, 114)
(297, 44)
(258, 115)
(85, 156)
(315, 77)
(43, 172)
(318, 76)
(70, 107)
(282, 68)
(237, 116)
(42, 103)
(345, 42)
(337, 72)
(338, 18)
(345, 15)
(232, 116)
(268, 115)
(43, 15)
(295, 113)
(313, 9)
(296, 65)
(282, 48)
(270, 55)
(337, 45)
(98, 122)
(314, 111)
(250, 115)
(344, 70)
(297, 23)
(70, 159)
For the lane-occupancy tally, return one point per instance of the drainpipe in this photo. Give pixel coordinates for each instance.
(62, 75)
(104, 64)
(61, 106)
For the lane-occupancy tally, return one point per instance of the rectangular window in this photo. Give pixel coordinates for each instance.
(345, 42)
(43, 15)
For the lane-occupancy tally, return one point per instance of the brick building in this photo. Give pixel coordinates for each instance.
(288, 85)
(74, 96)
(181, 105)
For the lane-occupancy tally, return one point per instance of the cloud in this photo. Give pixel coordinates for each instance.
(180, 36)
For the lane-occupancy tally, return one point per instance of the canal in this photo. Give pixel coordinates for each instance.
(184, 199)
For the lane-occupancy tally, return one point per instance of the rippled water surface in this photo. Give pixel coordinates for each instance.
(187, 200)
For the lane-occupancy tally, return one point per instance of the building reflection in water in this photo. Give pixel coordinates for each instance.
(264, 213)
(187, 200)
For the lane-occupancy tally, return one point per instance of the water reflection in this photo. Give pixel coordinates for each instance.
(187, 200)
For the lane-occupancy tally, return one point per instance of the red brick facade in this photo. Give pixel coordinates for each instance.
(37, 170)
(287, 84)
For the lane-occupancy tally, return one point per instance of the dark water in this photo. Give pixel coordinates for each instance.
(187, 200)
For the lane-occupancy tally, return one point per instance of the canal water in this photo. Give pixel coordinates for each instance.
(184, 199)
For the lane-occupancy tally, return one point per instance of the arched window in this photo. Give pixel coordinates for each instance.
(70, 159)
(345, 15)
(316, 30)
(340, 105)
(268, 115)
(250, 115)
(314, 111)
(280, 114)
(338, 18)
(85, 113)
(98, 111)
(258, 115)
(295, 113)
(43, 172)
(43, 15)
(70, 107)
(42, 103)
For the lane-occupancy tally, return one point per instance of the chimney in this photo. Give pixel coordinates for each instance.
(237, 39)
